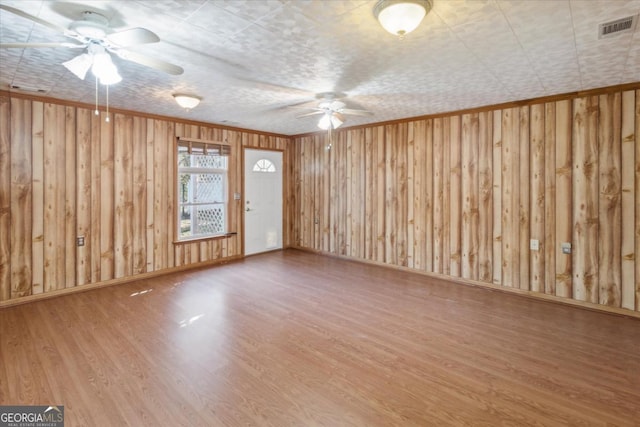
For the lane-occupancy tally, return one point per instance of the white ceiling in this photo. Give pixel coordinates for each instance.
(250, 60)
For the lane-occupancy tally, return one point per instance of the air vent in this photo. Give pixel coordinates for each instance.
(619, 26)
(26, 89)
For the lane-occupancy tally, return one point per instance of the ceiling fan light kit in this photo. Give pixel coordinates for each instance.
(400, 17)
(331, 120)
(187, 101)
(79, 65)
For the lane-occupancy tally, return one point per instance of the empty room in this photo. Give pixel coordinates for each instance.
(320, 213)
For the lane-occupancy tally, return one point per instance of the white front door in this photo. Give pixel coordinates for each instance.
(262, 201)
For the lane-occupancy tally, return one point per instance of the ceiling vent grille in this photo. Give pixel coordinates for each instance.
(619, 26)
(26, 89)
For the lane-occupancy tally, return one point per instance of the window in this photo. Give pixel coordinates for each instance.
(202, 189)
(264, 165)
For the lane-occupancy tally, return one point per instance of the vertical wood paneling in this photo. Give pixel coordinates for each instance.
(67, 172)
(485, 197)
(428, 196)
(609, 203)
(83, 195)
(5, 197)
(585, 199)
(168, 140)
(151, 195)
(401, 199)
(446, 195)
(106, 199)
(20, 197)
(494, 180)
(379, 143)
(391, 195)
(628, 158)
(306, 215)
(523, 182)
(564, 207)
(343, 197)
(455, 201)
(438, 194)
(459, 195)
(497, 197)
(123, 191)
(510, 206)
(350, 198)
(361, 191)
(537, 196)
(411, 198)
(236, 169)
(139, 217)
(54, 184)
(333, 194)
(70, 227)
(637, 199)
(162, 235)
(318, 194)
(37, 197)
(95, 246)
(469, 196)
(420, 199)
(369, 197)
(549, 243)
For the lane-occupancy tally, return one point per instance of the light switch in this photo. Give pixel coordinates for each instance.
(566, 248)
(534, 244)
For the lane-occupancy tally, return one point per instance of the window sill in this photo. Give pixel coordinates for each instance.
(203, 239)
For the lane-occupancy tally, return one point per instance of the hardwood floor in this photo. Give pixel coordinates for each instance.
(296, 339)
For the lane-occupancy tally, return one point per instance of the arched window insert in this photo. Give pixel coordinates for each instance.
(202, 188)
(264, 165)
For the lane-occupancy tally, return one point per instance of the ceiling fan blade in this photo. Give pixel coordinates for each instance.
(34, 19)
(310, 114)
(133, 37)
(150, 62)
(356, 112)
(29, 45)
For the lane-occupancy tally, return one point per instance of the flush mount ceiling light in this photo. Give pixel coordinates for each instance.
(187, 101)
(400, 17)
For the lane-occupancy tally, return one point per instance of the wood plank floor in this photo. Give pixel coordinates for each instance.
(296, 339)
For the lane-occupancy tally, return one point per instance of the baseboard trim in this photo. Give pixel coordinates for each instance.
(490, 286)
(113, 282)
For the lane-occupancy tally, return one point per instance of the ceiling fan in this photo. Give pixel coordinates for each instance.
(93, 34)
(333, 111)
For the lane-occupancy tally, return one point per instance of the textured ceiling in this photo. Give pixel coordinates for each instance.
(251, 60)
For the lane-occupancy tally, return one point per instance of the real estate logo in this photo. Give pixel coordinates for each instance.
(31, 416)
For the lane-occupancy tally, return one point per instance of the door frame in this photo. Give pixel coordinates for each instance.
(243, 200)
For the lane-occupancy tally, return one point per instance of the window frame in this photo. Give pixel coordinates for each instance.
(198, 146)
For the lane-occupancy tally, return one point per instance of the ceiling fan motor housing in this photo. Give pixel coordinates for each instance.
(93, 25)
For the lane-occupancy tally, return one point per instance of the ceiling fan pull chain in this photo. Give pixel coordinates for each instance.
(96, 112)
(107, 118)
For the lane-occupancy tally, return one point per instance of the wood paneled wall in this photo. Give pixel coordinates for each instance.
(65, 172)
(463, 195)
(459, 195)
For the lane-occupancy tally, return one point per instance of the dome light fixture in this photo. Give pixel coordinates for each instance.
(187, 101)
(400, 17)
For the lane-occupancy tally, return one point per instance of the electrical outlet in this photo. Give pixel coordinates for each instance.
(534, 245)
(566, 248)
(80, 240)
